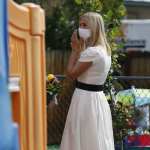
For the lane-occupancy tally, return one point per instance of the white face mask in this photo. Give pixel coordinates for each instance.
(84, 33)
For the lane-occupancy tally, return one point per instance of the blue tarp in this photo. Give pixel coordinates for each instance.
(8, 132)
(138, 97)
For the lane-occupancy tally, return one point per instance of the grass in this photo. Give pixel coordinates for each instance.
(53, 147)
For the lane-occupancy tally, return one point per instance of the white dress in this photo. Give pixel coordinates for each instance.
(89, 123)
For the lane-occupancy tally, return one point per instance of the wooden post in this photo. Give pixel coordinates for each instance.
(27, 61)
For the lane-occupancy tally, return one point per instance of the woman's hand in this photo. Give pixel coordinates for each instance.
(75, 43)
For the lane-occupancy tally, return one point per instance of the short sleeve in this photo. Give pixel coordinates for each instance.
(88, 55)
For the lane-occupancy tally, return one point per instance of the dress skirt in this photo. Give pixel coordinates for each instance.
(89, 123)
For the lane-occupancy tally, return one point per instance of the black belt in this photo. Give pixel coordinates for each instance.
(89, 87)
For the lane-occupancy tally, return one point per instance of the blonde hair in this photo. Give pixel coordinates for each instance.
(96, 24)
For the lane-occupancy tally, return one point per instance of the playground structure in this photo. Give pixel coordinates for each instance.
(26, 61)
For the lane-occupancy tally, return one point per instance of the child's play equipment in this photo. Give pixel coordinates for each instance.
(23, 106)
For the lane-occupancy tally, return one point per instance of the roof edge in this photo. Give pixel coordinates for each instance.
(136, 3)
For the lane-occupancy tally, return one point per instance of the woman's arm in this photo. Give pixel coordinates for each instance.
(76, 68)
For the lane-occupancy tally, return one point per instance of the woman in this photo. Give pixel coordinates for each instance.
(89, 123)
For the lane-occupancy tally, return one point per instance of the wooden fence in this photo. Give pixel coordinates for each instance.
(56, 61)
(138, 63)
(135, 64)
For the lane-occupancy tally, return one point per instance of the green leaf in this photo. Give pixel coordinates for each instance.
(79, 2)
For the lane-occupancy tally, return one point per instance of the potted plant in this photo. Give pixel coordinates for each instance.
(53, 87)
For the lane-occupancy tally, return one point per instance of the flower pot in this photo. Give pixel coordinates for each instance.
(49, 98)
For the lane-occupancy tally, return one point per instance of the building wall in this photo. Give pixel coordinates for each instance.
(137, 62)
(137, 9)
